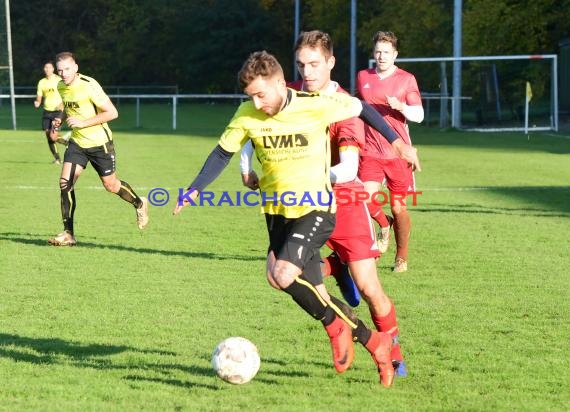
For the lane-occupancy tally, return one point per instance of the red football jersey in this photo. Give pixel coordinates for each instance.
(372, 89)
(349, 132)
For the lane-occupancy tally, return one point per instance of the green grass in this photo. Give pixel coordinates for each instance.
(127, 320)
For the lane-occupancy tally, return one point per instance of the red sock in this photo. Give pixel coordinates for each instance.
(402, 228)
(378, 214)
(389, 324)
(331, 265)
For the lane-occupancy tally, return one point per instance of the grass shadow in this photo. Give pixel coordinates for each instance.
(540, 201)
(41, 240)
(508, 141)
(173, 382)
(48, 350)
(57, 351)
(484, 210)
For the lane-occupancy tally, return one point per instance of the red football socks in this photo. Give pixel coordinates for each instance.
(378, 214)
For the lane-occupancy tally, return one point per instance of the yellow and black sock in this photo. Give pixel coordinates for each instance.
(308, 298)
(68, 203)
(127, 193)
(53, 150)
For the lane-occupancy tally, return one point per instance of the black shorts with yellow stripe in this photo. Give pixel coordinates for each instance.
(101, 157)
(299, 240)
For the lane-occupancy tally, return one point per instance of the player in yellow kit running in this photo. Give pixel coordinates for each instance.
(87, 110)
(289, 133)
(52, 108)
(353, 239)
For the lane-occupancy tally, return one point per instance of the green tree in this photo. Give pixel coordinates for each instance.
(212, 45)
(424, 29)
(333, 17)
(200, 44)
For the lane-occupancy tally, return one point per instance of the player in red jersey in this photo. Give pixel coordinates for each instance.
(353, 239)
(394, 93)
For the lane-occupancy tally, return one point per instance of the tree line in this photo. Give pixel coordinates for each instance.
(199, 45)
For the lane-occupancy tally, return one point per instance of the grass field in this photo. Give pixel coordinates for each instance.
(127, 320)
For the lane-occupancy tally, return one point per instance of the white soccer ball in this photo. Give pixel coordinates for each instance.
(236, 360)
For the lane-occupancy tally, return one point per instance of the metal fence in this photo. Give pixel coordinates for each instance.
(173, 99)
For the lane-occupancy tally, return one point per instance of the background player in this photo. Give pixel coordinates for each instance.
(296, 231)
(88, 109)
(52, 108)
(395, 94)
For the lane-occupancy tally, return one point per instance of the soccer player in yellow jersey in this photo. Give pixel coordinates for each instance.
(353, 239)
(289, 133)
(87, 111)
(52, 107)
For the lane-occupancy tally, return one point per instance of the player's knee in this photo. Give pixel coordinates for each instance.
(65, 185)
(370, 293)
(399, 210)
(369, 286)
(397, 202)
(380, 305)
(112, 186)
(272, 282)
(282, 275)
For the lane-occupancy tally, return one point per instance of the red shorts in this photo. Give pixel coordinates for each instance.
(353, 237)
(398, 174)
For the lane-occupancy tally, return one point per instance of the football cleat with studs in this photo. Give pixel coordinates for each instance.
(340, 335)
(384, 236)
(142, 214)
(380, 347)
(400, 265)
(63, 239)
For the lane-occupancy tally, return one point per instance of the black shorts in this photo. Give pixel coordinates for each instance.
(101, 157)
(299, 240)
(49, 116)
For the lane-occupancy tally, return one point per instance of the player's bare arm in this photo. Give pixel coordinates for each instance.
(107, 112)
(408, 153)
(250, 180)
(190, 193)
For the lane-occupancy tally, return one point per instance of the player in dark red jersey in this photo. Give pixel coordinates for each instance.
(394, 93)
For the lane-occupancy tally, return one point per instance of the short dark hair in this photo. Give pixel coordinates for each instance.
(259, 63)
(386, 36)
(64, 56)
(315, 39)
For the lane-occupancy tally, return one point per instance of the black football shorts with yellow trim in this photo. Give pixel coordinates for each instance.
(299, 240)
(48, 116)
(101, 157)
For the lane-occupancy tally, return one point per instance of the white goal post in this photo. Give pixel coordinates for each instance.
(490, 86)
(6, 62)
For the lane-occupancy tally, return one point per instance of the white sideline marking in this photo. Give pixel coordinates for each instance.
(484, 188)
(22, 187)
(22, 140)
(425, 189)
(562, 136)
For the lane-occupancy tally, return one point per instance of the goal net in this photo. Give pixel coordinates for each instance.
(492, 93)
